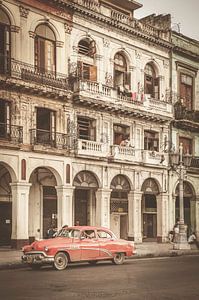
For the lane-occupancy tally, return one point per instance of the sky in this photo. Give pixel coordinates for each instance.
(184, 13)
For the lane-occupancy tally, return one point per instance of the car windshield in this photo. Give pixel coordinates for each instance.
(69, 233)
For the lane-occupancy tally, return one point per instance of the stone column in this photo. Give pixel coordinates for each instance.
(103, 207)
(162, 218)
(20, 218)
(134, 214)
(65, 205)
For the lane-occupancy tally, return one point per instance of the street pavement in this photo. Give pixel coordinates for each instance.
(11, 259)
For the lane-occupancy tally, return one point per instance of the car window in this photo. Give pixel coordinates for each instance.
(104, 234)
(69, 233)
(88, 234)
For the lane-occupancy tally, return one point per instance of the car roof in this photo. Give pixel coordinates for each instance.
(88, 228)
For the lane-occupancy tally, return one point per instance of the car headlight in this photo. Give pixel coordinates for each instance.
(46, 249)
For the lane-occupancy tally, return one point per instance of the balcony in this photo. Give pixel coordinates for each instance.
(124, 153)
(91, 148)
(48, 139)
(11, 133)
(31, 74)
(154, 158)
(186, 119)
(195, 162)
(103, 94)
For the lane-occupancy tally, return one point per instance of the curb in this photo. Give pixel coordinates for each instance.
(173, 253)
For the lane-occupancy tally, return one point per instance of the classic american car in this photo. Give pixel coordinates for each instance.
(77, 244)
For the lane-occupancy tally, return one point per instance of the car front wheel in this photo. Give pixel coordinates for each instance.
(61, 261)
(118, 259)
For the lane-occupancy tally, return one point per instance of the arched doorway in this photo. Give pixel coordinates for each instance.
(119, 206)
(5, 207)
(85, 199)
(43, 203)
(189, 206)
(149, 209)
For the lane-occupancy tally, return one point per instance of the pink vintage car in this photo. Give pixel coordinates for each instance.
(77, 244)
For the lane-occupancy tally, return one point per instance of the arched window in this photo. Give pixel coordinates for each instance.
(86, 66)
(4, 42)
(121, 76)
(45, 49)
(151, 84)
(87, 47)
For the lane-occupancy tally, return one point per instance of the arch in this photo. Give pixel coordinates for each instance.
(84, 36)
(120, 182)
(9, 14)
(188, 190)
(45, 31)
(4, 18)
(86, 179)
(124, 52)
(57, 176)
(10, 170)
(151, 186)
(87, 46)
(35, 23)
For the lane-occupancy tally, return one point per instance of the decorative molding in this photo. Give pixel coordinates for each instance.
(23, 11)
(32, 34)
(59, 44)
(14, 28)
(68, 27)
(166, 64)
(98, 57)
(137, 54)
(75, 49)
(109, 79)
(132, 68)
(106, 43)
(1, 2)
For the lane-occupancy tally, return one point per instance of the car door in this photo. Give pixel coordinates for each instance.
(106, 243)
(89, 245)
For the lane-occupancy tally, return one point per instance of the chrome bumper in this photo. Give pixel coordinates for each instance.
(37, 258)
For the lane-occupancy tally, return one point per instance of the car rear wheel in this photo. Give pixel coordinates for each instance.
(118, 259)
(61, 261)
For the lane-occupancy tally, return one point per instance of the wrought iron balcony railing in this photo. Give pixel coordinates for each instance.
(49, 138)
(27, 72)
(182, 113)
(195, 162)
(11, 133)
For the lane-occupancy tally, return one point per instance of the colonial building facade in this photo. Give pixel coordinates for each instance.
(86, 116)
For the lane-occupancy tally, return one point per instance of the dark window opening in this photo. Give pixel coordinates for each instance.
(187, 145)
(186, 90)
(121, 134)
(121, 76)
(151, 140)
(86, 128)
(4, 119)
(45, 126)
(151, 82)
(87, 72)
(87, 47)
(4, 43)
(45, 49)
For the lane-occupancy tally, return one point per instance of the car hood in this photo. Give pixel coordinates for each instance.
(50, 243)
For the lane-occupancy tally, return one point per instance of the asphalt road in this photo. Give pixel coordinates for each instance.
(142, 279)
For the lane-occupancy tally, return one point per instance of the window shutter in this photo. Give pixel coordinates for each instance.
(93, 73)
(52, 125)
(156, 88)
(49, 56)
(41, 55)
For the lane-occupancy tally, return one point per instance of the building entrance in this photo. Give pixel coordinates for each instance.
(5, 223)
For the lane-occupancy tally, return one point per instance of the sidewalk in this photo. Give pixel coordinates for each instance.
(11, 259)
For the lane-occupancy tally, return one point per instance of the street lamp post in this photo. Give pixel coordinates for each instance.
(181, 161)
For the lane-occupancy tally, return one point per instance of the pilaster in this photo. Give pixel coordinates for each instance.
(134, 214)
(20, 214)
(64, 202)
(103, 207)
